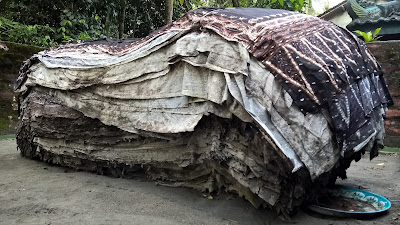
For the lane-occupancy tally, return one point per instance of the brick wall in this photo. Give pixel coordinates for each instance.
(388, 54)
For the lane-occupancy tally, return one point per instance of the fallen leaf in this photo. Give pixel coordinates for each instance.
(380, 164)
(208, 196)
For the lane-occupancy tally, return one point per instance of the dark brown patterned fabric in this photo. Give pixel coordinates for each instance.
(313, 59)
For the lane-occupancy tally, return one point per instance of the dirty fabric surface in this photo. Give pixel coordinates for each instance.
(174, 87)
(312, 87)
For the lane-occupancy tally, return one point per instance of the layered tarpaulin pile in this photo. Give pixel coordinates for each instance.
(267, 103)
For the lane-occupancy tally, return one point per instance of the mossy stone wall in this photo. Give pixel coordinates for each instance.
(10, 62)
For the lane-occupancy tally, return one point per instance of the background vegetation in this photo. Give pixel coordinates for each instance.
(51, 22)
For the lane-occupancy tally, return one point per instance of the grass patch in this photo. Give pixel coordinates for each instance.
(7, 136)
(391, 150)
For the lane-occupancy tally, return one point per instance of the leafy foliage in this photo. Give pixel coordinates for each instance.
(58, 21)
(368, 37)
(43, 36)
(26, 34)
(293, 5)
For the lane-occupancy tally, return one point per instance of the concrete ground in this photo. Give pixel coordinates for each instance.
(33, 192)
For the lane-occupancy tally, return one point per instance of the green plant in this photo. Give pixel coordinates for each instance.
(45, 36)
(368, 37)
(293, 5)
(76, 26)
(26, 34)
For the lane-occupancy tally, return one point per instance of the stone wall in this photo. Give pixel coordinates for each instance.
(11, 57)
(388, 54)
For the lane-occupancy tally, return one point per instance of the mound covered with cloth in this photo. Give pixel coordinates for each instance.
(270, 104)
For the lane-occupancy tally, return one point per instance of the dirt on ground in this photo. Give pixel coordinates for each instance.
(33, 192)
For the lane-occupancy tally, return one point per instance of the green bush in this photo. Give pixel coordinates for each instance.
(26, 34)
(46, 36)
